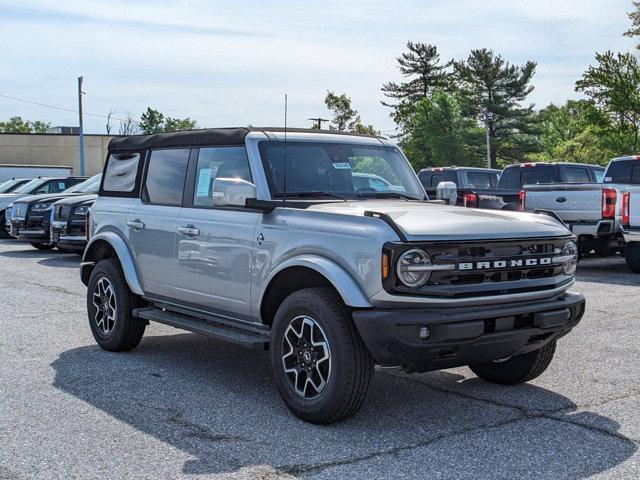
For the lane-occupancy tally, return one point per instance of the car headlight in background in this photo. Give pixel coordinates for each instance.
(568, 258)
(414, 267)
(82, 210)
(41, 207)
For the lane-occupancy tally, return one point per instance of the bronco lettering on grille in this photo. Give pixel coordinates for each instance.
(497, 264)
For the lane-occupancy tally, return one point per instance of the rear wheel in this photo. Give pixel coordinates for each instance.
(321, 366)
(516, 369)
(632, 256)
(43, 246)
(110, 306)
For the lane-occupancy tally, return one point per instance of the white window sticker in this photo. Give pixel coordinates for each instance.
(204, 182)
(342, 166)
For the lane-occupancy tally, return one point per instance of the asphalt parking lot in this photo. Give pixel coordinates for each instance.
(184, 406)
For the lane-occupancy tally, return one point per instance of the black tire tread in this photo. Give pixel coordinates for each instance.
(132, 329)
(512, 371)
(632, 256)
(359, 370)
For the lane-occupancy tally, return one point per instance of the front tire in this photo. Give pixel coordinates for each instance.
(110, 306)
(632, 256)
(517, 369)
(321, 366)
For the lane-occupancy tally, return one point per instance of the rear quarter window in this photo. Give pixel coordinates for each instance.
(121, 175)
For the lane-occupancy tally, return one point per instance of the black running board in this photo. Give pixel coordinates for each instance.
(210, 328)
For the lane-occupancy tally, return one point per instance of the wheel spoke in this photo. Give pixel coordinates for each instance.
(306, 356)
(105, 302)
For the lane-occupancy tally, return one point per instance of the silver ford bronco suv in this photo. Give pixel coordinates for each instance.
(269, 239)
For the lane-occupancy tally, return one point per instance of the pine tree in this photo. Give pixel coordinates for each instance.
(492, 91)
(424, 72)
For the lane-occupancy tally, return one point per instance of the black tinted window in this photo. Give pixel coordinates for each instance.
(165, 176)
(480, 179)
(515, 177)
(577, 175)
(218, 162)
(623, 171)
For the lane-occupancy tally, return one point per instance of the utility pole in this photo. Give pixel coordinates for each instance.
(318, 121)
(80, 92)
(486, 126)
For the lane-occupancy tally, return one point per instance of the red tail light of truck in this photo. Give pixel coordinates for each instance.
(626, 199)
(609, 197)
(470, 200)
(522, 200)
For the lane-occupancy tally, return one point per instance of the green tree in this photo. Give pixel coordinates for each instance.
(345, 117)
(18, 125)
(175, 124)
(492, 90)
(634, 16)
(151, 121)
(438, 134)
(614, 84)
(424, 72)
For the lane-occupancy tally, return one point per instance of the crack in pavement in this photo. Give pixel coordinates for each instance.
(525, 415)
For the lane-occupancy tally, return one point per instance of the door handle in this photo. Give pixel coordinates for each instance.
(135, 224)
(189, 230)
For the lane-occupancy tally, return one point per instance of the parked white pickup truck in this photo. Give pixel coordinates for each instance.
(631, 227)
(593, 212)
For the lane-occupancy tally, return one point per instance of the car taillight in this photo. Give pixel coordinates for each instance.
(626, 198)
(522, 200)
(470, 200)
(609, 197)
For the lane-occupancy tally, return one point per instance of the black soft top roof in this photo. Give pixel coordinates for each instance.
(203, 137)
(187, 138)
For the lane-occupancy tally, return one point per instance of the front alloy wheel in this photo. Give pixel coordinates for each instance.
(306, 356)
(105, 303)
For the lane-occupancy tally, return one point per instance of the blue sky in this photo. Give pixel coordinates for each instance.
(230, 63)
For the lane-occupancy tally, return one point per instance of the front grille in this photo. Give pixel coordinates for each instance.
(488, 268)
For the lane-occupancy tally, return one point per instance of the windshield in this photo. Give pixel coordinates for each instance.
(338, 170)
(91, 185)
(30, 185)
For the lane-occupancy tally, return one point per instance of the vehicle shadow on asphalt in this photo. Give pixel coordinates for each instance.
(62, 260)
(217, 403)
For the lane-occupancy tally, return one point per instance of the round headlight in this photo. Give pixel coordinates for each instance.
(414, 267)
(570, 265)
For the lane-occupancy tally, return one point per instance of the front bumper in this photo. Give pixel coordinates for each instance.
(61, 236)
(631, 235)
(463, 335)
(26, 230)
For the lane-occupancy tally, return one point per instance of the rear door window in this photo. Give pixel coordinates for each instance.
(577, 175)
(599, 174)
(166, 173)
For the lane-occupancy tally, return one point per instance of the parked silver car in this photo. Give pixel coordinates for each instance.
(262, 239)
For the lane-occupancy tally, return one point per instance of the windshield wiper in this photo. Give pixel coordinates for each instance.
(311, 194)
(386, 195)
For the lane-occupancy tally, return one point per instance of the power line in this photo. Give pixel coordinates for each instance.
(62, 108)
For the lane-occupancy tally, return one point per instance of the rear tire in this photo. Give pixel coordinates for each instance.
(632, 256)
(110, 306)
(321, 366)
(43, 246)
(517, 369)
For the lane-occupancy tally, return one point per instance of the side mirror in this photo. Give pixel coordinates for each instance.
(232, 192)
(448, 192)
